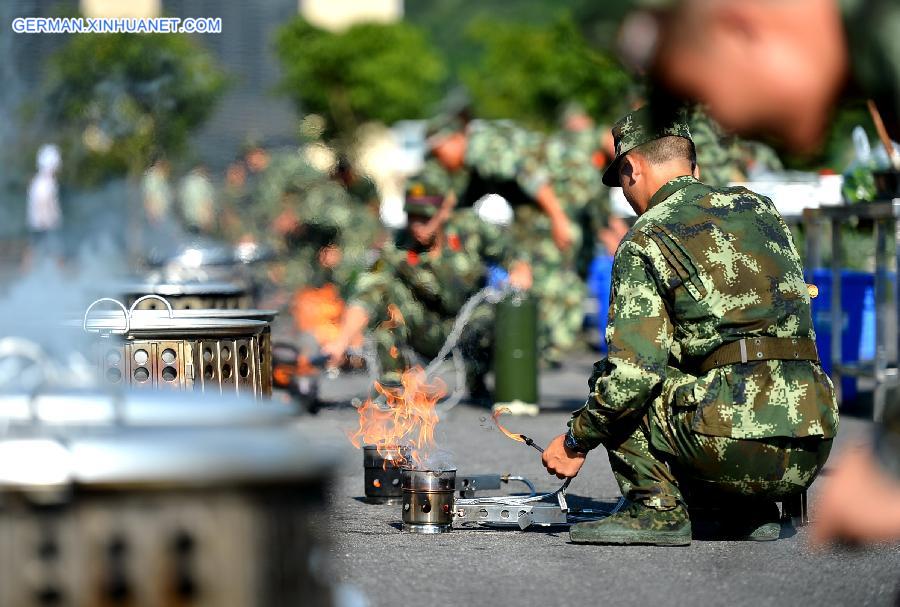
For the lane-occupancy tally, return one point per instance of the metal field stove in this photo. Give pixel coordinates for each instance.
(429, 506)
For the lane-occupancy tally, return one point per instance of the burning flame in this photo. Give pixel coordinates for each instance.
(496, 417)
(318, 311)
(402, 417)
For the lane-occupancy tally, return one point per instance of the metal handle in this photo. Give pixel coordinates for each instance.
(111, 300)
(151, 296)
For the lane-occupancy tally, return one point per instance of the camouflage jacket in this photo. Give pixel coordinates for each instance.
(443, 280)
(503, 158)
(704, 267)
(718, 154)
(571, 165)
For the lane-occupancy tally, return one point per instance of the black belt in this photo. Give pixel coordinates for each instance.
(753, 349)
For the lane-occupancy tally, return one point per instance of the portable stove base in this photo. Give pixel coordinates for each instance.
(425, 529)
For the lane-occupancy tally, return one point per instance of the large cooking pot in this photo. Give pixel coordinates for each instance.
(151, 498)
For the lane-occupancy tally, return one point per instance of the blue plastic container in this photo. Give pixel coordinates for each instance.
(599, 282)
(858, 327)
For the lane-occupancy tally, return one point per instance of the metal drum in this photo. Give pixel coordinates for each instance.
(148, 500)
(265, 338)
(170, 351)
(188, 295)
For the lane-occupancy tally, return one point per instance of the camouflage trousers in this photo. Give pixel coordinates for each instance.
(420, 331)
(663, 461)
(557, 286)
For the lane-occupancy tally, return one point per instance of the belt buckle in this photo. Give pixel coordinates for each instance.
(742, 344)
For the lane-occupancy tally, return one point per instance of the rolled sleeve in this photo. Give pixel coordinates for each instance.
(640, 336)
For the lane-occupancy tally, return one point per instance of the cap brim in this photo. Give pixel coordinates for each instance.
(611, 174)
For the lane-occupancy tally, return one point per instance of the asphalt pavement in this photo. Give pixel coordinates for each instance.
(539, 566)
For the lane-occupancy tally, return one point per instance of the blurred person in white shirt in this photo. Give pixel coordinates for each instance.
(44, 214)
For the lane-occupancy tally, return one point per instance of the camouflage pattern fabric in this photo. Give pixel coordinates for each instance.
(429, 289)
(701, 268)
(719, 156)
(557, 286)
(327, 214)
(577, 180)
(664, 461)
(504, 158)
(501, 150)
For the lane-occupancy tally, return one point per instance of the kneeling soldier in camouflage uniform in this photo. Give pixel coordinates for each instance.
(411, 297)
(712, 399)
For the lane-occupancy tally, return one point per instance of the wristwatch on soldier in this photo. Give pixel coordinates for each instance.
(573, 444)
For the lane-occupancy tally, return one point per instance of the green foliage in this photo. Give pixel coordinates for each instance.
(119, 99)
(383, 72)
(528, 72)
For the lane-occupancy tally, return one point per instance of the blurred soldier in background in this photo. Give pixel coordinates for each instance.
(157, 192)
(718, 155)
(778, 68)
(44, 214)
(575, 156)
(499, 157)
(412, 295)
(197, 197)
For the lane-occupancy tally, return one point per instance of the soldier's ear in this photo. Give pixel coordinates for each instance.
(629, 169)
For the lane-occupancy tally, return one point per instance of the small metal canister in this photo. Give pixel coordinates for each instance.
(428, 500)
(382, 474)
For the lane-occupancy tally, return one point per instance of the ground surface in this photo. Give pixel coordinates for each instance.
(540, 567)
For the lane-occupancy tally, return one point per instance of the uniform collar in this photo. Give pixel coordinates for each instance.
(671, 186)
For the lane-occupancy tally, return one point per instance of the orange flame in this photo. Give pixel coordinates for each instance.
(496, 417)
(405, 419)
(318, 311)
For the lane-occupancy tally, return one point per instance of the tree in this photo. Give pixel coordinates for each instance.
(119, 99)
(369, 72)
(527, 73)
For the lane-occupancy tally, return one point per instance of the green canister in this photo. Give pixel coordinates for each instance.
(515, 351)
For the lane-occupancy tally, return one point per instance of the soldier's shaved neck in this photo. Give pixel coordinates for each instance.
(647, 168)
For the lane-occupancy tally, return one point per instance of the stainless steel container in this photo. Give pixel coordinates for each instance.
(145, 499)
(178, 352)
(428, 500)
(265, 339)
(187, 294)
(382, 473)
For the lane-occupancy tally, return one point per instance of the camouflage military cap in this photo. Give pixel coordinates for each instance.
(640, 127)
(440, 127)
(421, 200)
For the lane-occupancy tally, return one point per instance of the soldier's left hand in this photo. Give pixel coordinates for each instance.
(560, 460)
(520, 276)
